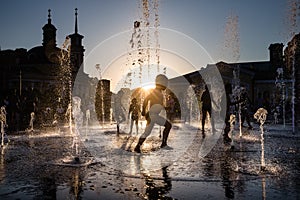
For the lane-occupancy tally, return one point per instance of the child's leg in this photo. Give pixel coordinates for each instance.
(213, 129)
(148, 129)
(118, 128)
(131, 125)
(204, 113)
(163, 122)
(137, 126)
(166, 132)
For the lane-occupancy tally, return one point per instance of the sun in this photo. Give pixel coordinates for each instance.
(148, 86)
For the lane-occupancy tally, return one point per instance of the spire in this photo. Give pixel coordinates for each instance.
(76, 26)
(77, 49)
(49, 16)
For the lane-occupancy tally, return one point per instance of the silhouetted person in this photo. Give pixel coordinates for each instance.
(206, 108)
(245, 108)
(134, 109)
(155, 98)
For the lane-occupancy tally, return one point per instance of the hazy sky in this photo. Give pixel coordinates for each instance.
(103, 22)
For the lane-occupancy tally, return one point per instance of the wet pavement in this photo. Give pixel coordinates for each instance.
(40, 165)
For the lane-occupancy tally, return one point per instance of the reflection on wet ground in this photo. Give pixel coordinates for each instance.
(29, 169)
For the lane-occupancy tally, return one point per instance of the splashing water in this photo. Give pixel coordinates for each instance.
(32, 118)
(78, 120)
(231, 121)
(145, 33)
(69, 115)
(87, 120)
(237, 93)
(261, 116)
(65, 79)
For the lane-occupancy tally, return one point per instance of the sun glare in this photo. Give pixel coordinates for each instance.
(149, 86)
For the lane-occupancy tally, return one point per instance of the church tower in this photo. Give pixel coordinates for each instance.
(49, 33)
(77, 50)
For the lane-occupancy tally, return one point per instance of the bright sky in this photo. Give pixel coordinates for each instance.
(188, 29)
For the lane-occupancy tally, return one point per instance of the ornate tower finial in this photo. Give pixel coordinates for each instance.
(76, 27)
(49, 16)
(49, 32)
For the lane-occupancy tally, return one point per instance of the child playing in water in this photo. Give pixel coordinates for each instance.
(155, 98)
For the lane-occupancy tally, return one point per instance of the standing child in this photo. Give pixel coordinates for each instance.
(155, 98)
(134, 110)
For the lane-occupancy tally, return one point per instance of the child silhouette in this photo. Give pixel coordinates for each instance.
(155, 98)
(134, 109)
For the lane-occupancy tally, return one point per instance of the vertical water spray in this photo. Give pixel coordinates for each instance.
(237, 94)
(261, 116)
(78, 119)
(146, 18)
(190, 102)
(32, 118)
(65, 78)
(231, 121)
(263, 185)
(293, 92)
(87, 120)
(98, 68)
(3, 123)
(280, 84)
(144, 43)
(135, 56)
(156, 34)
(231, 49)
(292, 17)
(102, 101)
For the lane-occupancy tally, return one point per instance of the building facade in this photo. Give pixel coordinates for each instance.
(42, 79)
(272, 84)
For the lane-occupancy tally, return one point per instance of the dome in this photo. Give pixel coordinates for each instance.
(43, 55)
